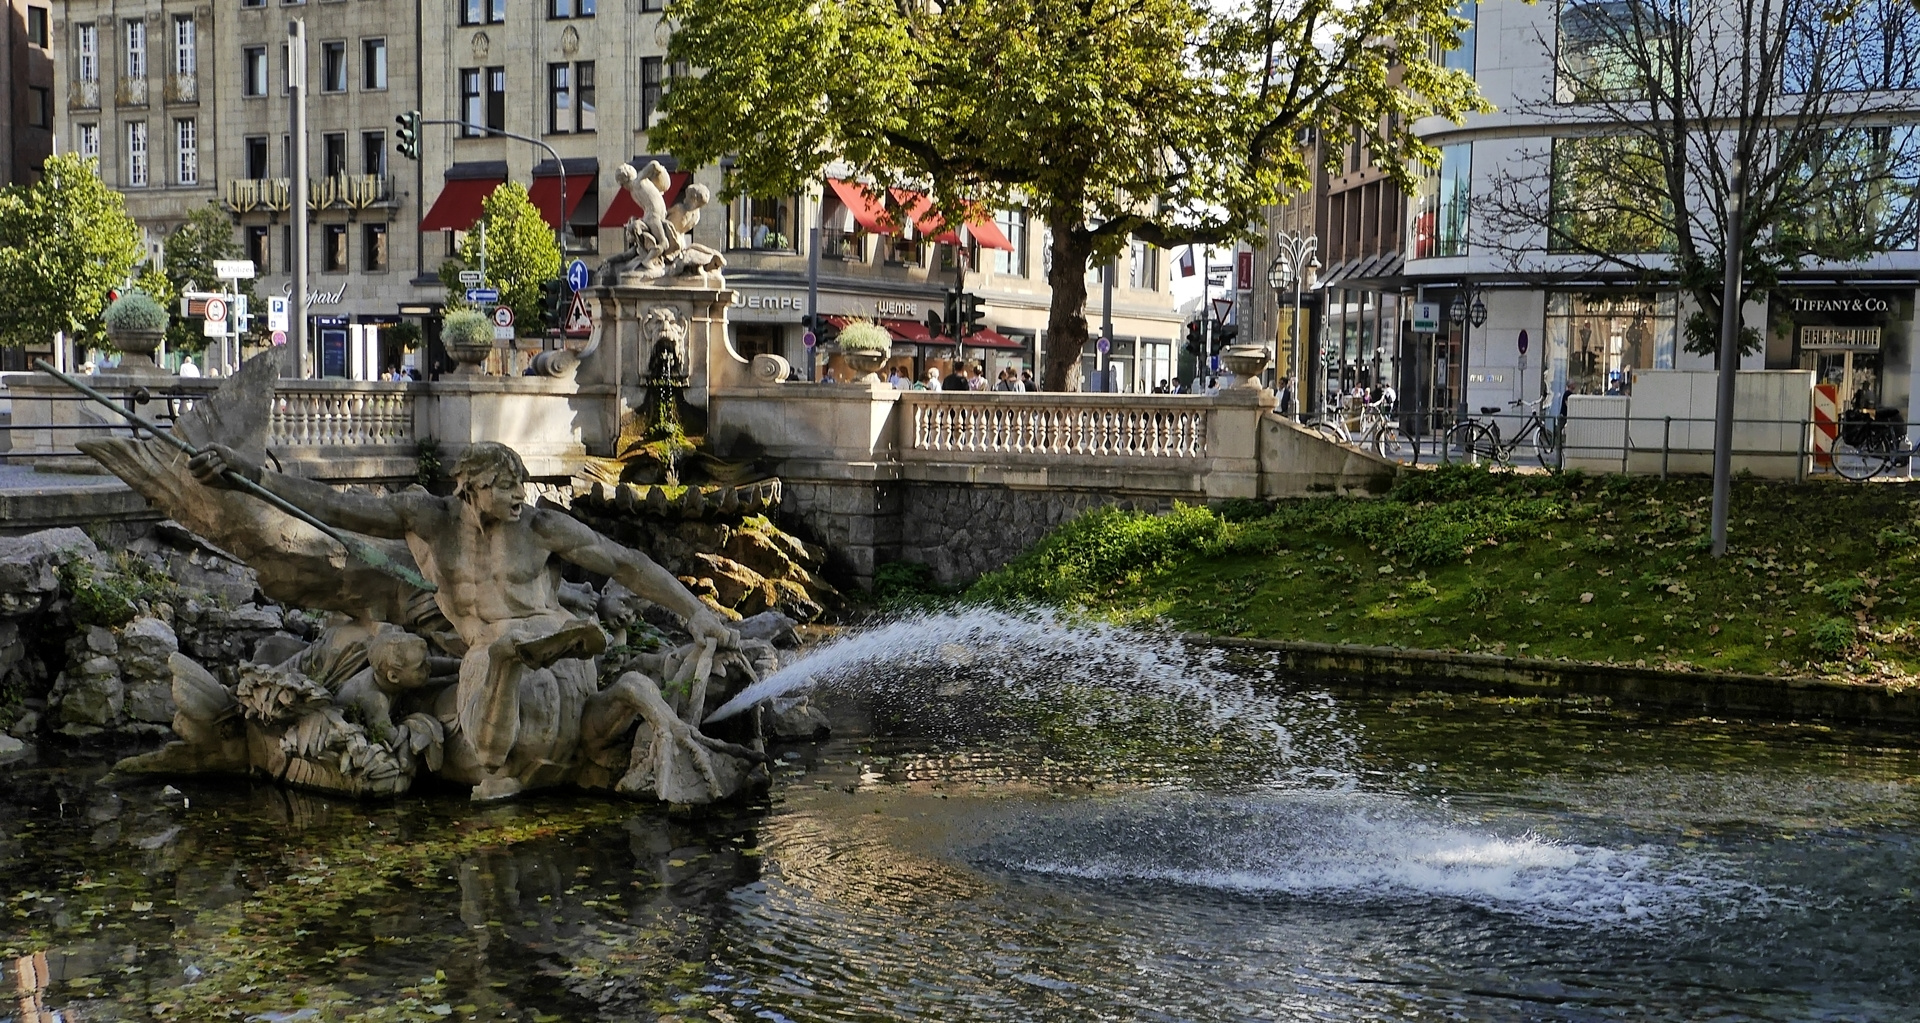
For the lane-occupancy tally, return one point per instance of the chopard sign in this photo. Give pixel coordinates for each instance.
(1840, 305)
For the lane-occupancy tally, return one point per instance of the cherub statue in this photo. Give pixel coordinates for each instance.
(659, 240)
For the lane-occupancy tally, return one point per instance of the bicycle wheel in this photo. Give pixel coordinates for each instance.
(1389, 443)
(1546, 446)
(1330, 430)
(1863, 462)
(1472, 443)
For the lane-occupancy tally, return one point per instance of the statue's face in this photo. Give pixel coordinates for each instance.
(663, 324)
(502, 501)
(403, 662)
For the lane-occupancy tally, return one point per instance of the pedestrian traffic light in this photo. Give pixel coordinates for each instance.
(554, 295)
(1196, 338)
(970, 312)
(409, 135)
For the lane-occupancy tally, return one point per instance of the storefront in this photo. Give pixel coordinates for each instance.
(1855, 339)
(1596, 341)
(766, 319)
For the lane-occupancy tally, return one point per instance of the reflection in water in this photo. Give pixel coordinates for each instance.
(1426, 859)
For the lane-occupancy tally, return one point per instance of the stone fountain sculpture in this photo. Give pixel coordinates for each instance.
(490, 681)
(660, 245)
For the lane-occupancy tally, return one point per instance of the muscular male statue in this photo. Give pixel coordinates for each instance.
(528, 707)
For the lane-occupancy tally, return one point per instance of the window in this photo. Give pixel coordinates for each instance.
(39, 106)
(1013, 224)
(136, 48)
(373, 64)
(86, 45)
(652, 71)
(1607, 195)
(253, 71)
(88, 141)
(497, 98)
(570, 9)
(373, 153)
(1611, 50)
(1853, 48)
(333, 64)
(1461, 57)
(333, 250)
(483, 12)
(186, 151)
(1595, 341)
(472, 111)
(186, 61)
(253, 3)
(652, 6)
(286, 242)
(373, 246)
(1143, 266)
(760, 224)
(37, 26)
(570, 97)
(1439, 222)
(137, 154)
(559, 96)
(257, 249)
(256, 156)
(333, 153)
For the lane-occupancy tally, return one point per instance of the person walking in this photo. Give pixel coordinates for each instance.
(956, 379)
(933, 379)
(1026, 381)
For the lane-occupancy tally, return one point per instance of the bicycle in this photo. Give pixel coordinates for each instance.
(1379, 432)
(1869, 445)
(1476, 440)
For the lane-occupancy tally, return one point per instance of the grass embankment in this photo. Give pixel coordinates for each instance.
(1605, 569)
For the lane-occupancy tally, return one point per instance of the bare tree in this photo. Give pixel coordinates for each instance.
(1654, 105)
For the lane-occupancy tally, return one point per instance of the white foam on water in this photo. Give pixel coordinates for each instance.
(1366, 847)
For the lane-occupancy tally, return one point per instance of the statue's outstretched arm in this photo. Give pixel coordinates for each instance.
(578, 543)
(362, 513)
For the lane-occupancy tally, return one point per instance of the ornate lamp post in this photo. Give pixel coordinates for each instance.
(1463, 314)
(1293, 263)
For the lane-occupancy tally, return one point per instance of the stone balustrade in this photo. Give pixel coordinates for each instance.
(343, 414)
(1053, 425)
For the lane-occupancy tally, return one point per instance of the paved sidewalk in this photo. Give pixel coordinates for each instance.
(17, 478)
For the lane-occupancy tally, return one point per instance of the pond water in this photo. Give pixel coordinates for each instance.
(1398, 857)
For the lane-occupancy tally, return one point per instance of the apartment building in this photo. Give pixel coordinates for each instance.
(585, 78)
(26, 66)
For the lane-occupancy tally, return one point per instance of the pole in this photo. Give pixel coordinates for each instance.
(1466, 337)
(1106, 323)
(1729, 361)
(813, 295)
(297, 119)
(1299, 358)
(1206, 310)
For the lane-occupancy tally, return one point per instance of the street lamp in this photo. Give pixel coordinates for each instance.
(1293, 263)
(1464, 314)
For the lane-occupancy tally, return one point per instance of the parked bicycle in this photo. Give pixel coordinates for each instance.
(1473, 441)
(1871, 443)
(1378, 431)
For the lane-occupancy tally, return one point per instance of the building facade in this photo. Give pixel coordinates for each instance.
(26, 65)
(585, 78)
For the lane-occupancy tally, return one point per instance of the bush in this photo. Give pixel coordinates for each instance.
(114, 597)
(1832, 637)
(865, 336)
(1100, 550)
(137, 311)
(467, 328)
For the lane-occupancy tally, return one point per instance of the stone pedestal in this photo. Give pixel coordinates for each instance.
(619, 352)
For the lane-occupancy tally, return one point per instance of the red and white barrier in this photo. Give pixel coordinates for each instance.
(1826, 423)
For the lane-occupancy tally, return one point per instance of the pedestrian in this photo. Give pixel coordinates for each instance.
(933, 379)
(1026, 381)
(1213, 385)
(897, 379)
(187, 368)
(956, 379)
(1284, 399)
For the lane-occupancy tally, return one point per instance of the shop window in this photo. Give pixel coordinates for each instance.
(1611, 50)
(373, 246)
(333, 251)
(766, 224)
(1596, 342)
(1439, 217)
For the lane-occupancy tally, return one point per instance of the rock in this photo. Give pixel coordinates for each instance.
(150, 701)
(794, 602)
(11, 747)
(28, 723)
(275, 649)
(145, 645)
(101, 640)
(795, 717)
(732, 581)
(29, 566)
(760, 553)
(88, 699)
(769, 627)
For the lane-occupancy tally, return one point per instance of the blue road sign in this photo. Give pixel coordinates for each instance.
(483, 294)
(1104, 345)
(808, 339)
(577, 275)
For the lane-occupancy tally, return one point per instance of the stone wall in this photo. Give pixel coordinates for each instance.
(963, 531)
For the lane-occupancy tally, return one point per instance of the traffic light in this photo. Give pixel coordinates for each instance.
(970, 313)
(554, 295)
(953, 314)
(409, 135)
(824, 332)
(1224, 333)
(1196, 338)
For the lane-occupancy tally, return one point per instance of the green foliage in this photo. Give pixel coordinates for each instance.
(1168, 120)
(112, 598)
(64, 241)
(135, 310)
(1832, 637)
(405, 335)
(521, 252)
(427, 467)
(1099, 551)
(865, 336)
(191, 249)
(467, 328)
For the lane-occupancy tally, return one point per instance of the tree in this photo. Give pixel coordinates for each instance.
(1669, 96)
(521, 252)
(1163, 120)
(190, 253)
(64, 241)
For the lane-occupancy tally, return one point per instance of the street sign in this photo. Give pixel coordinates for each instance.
(216, 310)
(579, 320)
(277, 315)
(233, 269)
(1103, 346)
(503, 316)
(1222, 310)
(1426, 317)
(483, 294)
(577, 275)
(471, 278)
(1523, 342)
(502, 333)
(279, 337)
(808, 339)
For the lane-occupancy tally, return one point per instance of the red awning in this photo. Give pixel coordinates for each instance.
(866, 212)
(912, 331)
(933, 227)
(546, 195)
(988, 235)
(458, 207)
(988, 338)
(623, 208)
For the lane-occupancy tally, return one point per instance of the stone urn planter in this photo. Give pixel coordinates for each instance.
(468, 335)
(1245, 362)
(135, 324)
(866, 347)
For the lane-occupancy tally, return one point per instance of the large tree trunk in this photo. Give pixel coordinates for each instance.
(1070, 247)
